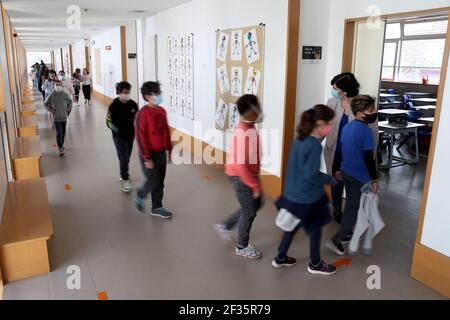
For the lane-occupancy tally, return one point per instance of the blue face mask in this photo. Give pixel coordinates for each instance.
(335, 94)
(159, 100)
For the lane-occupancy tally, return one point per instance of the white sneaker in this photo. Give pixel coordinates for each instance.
(224, 234)
(249, 253)
(127, 186)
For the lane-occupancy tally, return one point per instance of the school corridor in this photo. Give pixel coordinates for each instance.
(298, 73)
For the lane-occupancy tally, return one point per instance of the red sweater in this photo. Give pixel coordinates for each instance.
(244, 158)
(152, 131)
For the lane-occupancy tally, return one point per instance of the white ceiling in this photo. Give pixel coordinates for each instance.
(42, 24)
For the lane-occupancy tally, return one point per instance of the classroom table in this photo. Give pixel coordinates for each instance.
(425, 108)
(392, 130)
(428, 121)
(424, 101)
(417, 95)
(391, 113)
(389, 95)
(390, 105)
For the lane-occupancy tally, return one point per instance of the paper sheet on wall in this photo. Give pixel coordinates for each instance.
(222, 78)
(252, 46)
(221, 114)
(234, 116)
(236, 45)
(236, 81)
(222, 49)
(253, 81)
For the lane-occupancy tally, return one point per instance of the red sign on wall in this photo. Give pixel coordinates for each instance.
(108, 48)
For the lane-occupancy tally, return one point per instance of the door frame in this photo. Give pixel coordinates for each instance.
(429, 266)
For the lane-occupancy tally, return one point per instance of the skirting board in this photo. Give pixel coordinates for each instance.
(100, 96)
(271, 185)
(432, 269)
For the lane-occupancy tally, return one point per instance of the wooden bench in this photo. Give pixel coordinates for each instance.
(28, 110)
(25, 228)
(26, 155)
(28, 126)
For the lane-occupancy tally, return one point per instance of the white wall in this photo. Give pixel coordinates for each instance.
(221, 14)
(111, 61)
(79, 55)
(132, 64)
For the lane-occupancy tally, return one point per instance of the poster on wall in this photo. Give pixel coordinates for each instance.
(240, 70)
(181, 74)
(311, 54)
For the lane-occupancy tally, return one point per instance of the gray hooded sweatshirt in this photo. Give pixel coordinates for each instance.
(59, 103)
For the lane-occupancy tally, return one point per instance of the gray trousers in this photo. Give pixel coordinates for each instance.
(350, 215)
(154, 182)
(245, 216)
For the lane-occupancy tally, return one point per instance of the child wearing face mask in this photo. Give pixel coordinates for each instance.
(60, 105)
(243, 169)
(49, 85)
(66, 84)
(304, 194)
(120, 119)
(154, 143)
(358, 164)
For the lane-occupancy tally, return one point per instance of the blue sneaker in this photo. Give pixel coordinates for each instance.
(161, 213)
(139, 204)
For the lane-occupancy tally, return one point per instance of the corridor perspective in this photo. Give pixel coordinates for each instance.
(305, 81)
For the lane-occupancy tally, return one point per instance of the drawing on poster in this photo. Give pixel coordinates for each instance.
(222, 48)
(253, 80)
(221, 114)
(236, 81)
(251, 46)
(222, 78)
(234, 116)
(236, 45)
(181, 74)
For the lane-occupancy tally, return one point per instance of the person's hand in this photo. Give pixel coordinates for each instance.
(150, 165)
(338, 176)
(375, 188)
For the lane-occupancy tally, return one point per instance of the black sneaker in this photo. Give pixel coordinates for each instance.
(287, 263)
(161, 213)
(337, 213)
(323, 269)
(347, 239)
(336, 247)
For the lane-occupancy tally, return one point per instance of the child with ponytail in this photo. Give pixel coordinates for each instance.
(304, 195)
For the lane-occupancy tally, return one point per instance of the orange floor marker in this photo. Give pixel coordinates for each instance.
(68, 187)
(103, 296)
(343, 262)
(207, 178)
(55, 146)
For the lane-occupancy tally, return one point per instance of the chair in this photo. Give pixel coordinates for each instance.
(407, 104)
(414, 116)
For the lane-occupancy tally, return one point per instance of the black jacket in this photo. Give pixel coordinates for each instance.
(120, 118)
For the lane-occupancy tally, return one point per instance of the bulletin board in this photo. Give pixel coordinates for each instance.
(240, 71)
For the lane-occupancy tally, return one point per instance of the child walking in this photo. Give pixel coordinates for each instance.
(358, 165)
(120, 120)
(60, 105)
(154, 142)
(304, 194)
(86, 80)
(243, 168)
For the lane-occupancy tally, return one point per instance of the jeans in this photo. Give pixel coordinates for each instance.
(76, 96)
(338, 191)
(246, 215)
(314, 233)
(60, 128)
(155, 177)
(87, 92)
(124, 148)
(352, 204)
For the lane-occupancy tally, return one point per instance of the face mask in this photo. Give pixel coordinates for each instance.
(371, 118)
(58, 88)
(325, 131)
(62, 77)
(158, 100)
(125, 97)
(335, 94)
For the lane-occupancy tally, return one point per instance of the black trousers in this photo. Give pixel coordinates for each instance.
(124, 148)
(60, 128)
(154, 183)
(87, 91)
(77, 93)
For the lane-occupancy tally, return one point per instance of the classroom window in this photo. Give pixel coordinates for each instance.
(414, 50)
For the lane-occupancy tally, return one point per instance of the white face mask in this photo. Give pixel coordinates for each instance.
(125, 97)
(62, 77)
